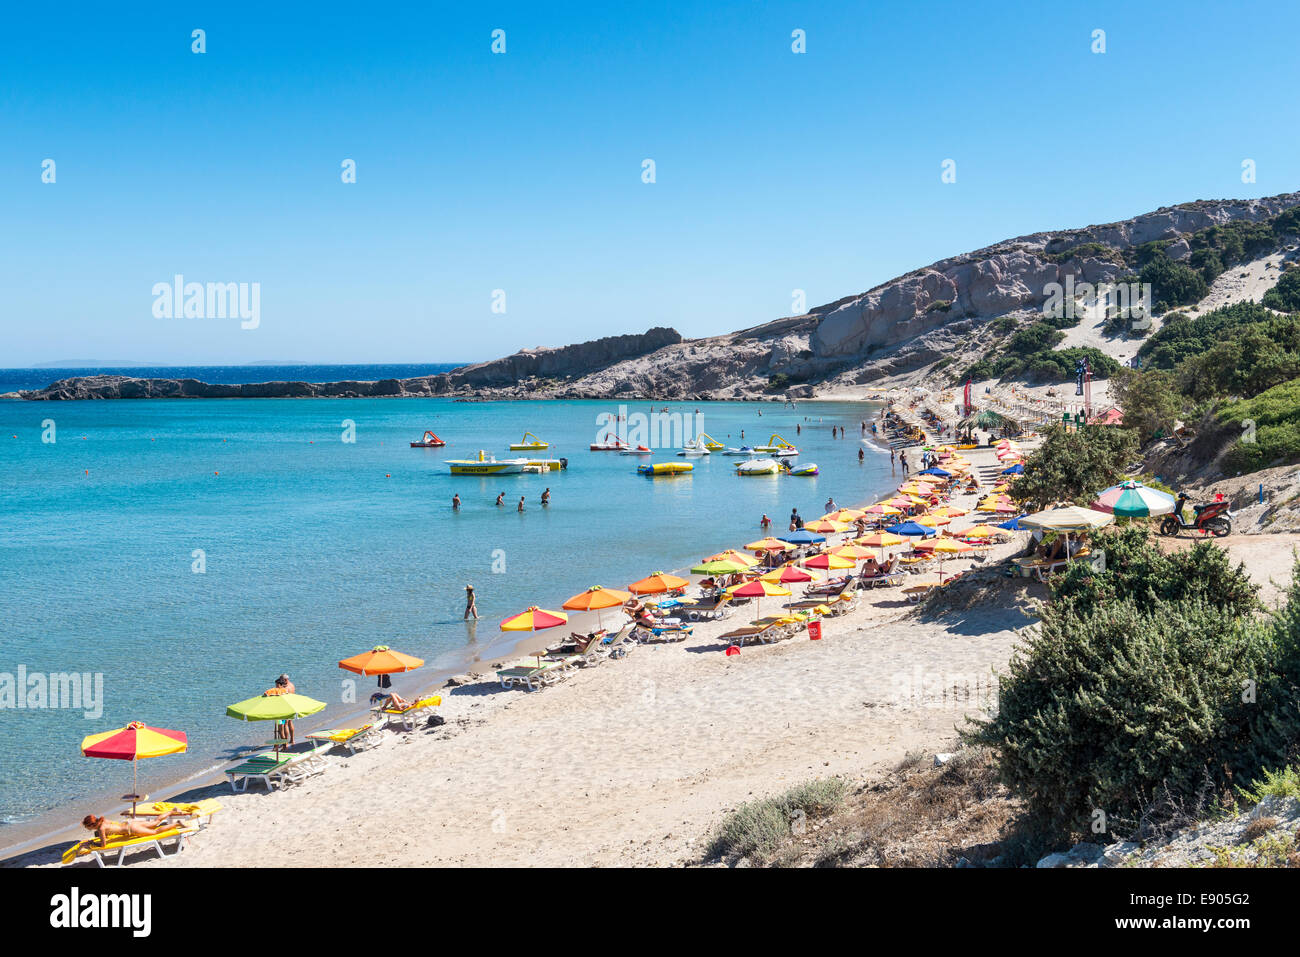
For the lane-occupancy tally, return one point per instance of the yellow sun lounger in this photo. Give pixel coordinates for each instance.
(408, 717)
(354, 739)
(196, 813)
(120, 845)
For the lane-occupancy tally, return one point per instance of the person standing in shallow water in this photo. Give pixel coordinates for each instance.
(471, 609)
(455, 501)
(546, 497)
(521, 503)
(501, 498)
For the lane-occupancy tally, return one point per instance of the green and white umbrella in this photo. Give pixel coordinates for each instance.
(1132, 499)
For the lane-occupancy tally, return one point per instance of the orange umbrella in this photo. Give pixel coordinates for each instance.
(380, 660)
(595, 598)
(853, 552)
(768, 544)
(826, 527)
(845, 515)
(657, 584)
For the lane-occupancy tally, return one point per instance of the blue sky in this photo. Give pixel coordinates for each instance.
(775, 171)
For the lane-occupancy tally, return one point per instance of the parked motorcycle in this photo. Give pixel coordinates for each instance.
(1213, 518)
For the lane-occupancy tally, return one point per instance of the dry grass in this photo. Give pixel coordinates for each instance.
(919, 816)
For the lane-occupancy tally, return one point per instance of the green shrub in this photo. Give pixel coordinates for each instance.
(1270, 424)
(1285, 296)
(759, 827)
(1173, 284)
(1180, 338)
(1074, 466)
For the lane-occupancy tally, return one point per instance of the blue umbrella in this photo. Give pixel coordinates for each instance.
(910, 528)
(936, 471)
(1012, 524)
(1016, 469)
(802, 537)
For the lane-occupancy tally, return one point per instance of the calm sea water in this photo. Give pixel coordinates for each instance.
(317, 549)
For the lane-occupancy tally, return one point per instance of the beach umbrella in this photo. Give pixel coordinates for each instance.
(137, 740)
(948, 511)
(802, 537)
(1013, 524)
(979, 531)
(910, 528)
(768, 544)
(785, 575)
(849, 515)
(827, 527)
(758, 589)
(380, 660)
(732, 555)
(880, 539)
(1017, 469)
(827, 562)
(534, 619)
(945, 546)
(935, 470)
(1070, 519)
(596, 598)
(883, 509)
(278, 707)
(933, 521)
(657, 584)
(1134, 500)
(721, 566)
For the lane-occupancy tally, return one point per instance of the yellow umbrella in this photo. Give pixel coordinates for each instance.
(824, 527)
(979, 531)
(845, 515)
(137, 740)
(949, 546)
(534, 619)
(853, 552)
(934, 521)
(731, 555)
(827, 562)
(768, 544)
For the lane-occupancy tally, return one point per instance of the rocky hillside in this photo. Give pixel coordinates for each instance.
(882, 337)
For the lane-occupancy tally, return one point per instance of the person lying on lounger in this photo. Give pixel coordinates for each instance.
(391, 701)
(105, 829)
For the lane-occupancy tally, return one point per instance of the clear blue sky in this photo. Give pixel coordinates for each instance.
(522, 171)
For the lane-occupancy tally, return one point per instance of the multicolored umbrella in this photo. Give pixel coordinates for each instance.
(768, 544)
(828, 562)
(534, 619)
(827, 527)
(734, 556)
(1132, 499)
(759, 590)
(137, 740)
(786, 575)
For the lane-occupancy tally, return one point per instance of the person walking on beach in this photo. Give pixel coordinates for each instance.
(455, 502)
(470, 607)
(501, 498)
(546, 497)
(902, 460)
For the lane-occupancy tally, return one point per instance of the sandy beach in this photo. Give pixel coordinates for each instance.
(635, 761)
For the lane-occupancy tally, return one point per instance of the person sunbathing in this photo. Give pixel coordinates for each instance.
(105, 829)
(391, 701)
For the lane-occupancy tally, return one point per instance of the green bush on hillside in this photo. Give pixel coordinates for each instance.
(1172, 284)
(1285, 296)
(1073, 466)
(1180, 338)
(1270, 428)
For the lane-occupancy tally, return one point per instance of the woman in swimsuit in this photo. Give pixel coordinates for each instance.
(105, 829)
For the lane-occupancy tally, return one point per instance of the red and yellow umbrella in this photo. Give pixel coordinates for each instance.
(768, 544)
(826, 527)
(657, 584)
(534, 619)
(758, 589)
(785, 575)
(828, 561)
(731, 555)
(137, 740)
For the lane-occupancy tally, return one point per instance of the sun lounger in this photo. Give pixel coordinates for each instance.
(196, 813)
(665, 632)
(353, 739)
(534, 676)
(114, 854)
(620, 644)
(276, 771)
(915, 593)
(408, 716)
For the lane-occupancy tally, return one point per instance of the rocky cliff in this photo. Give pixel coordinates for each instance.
(874, 339)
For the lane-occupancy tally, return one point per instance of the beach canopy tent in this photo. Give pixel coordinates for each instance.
(1132, 499)
(137, 740)
(800, 537)
(909, 528)
(1071, 518)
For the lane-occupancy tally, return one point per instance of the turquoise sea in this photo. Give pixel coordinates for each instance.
(191, 550)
